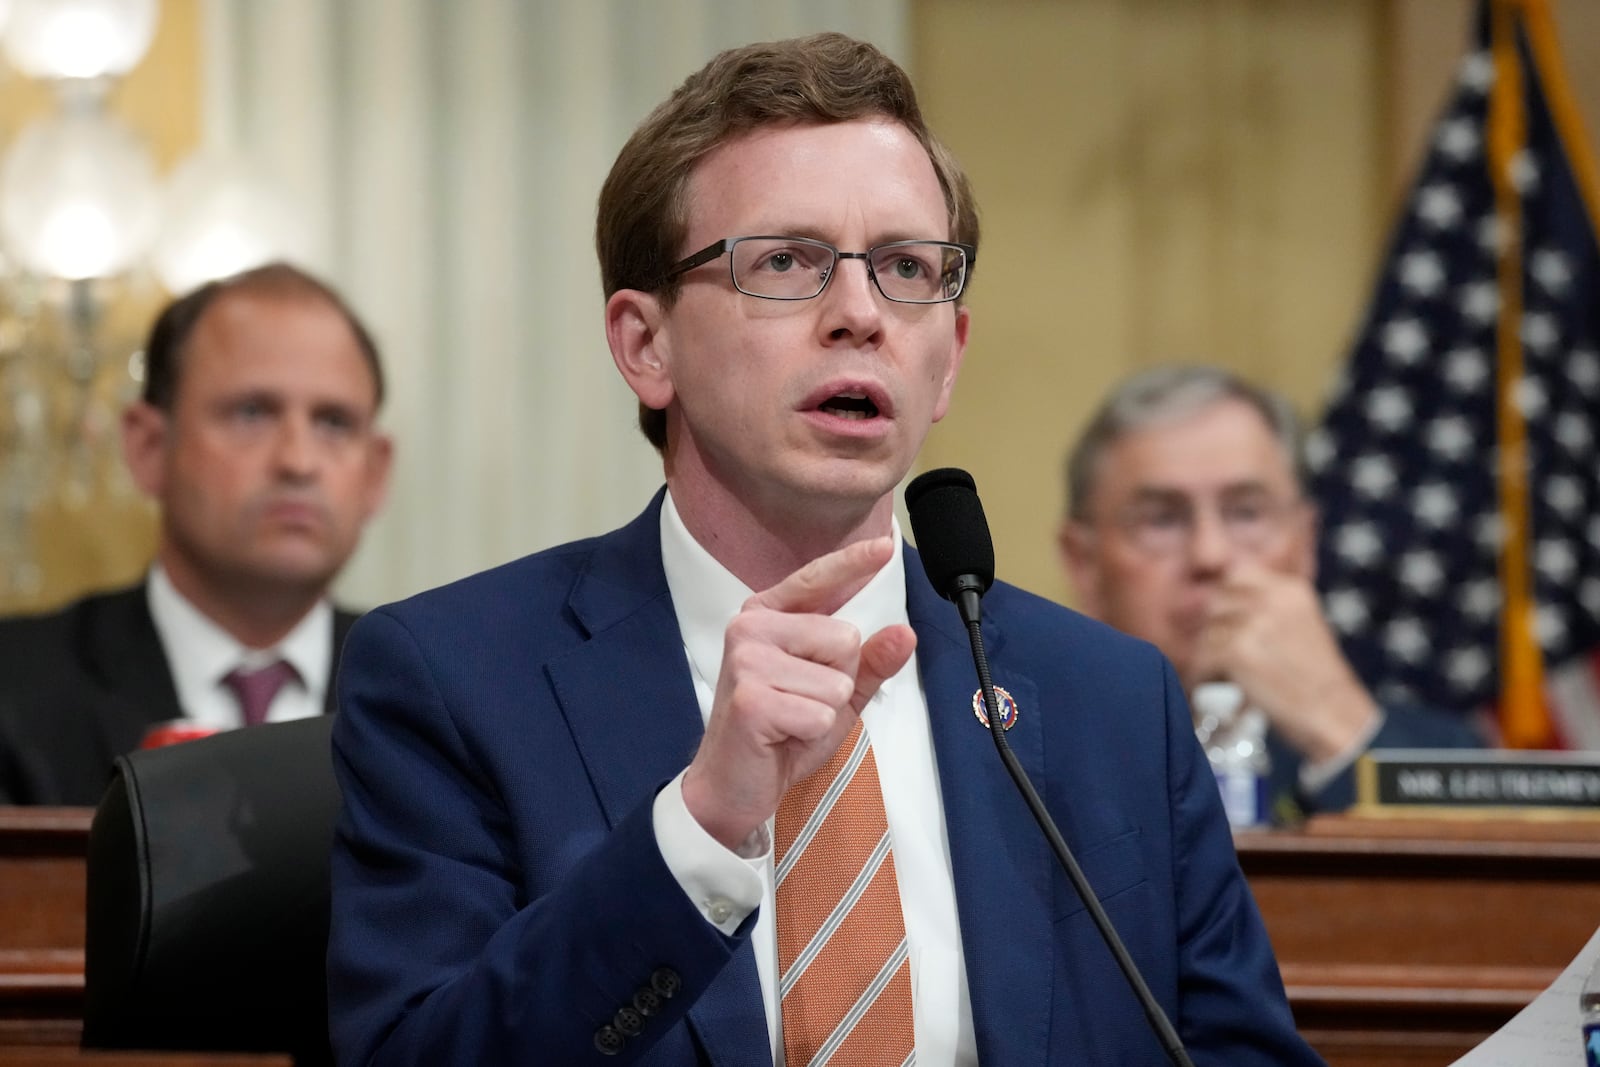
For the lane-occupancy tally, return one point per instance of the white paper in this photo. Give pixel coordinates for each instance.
(1547, 1033)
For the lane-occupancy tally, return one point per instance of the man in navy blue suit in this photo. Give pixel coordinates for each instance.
(560, 775)
(1187, 525)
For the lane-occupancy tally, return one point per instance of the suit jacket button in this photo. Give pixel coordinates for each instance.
(645, 1001)
(609, 1041)
(666, 982)
(628, 1021)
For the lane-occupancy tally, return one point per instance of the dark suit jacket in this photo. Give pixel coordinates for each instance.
(78, 688)
(1403, 727)
(498, 893)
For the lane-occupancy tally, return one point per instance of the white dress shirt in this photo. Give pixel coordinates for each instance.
(727, 887)
(200, 654)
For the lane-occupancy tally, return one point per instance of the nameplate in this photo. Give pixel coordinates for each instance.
(1406, 778)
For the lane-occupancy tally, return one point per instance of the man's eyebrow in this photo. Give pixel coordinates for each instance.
(251, 393)
(1252, 487)
(1158, 494)
(1164, 494)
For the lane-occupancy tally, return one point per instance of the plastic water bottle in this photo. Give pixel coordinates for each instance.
(1234, 737)
(1589, 1013)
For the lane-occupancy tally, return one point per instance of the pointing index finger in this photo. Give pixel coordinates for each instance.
(823, 585)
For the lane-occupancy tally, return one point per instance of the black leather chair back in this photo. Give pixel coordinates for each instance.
(207, 914)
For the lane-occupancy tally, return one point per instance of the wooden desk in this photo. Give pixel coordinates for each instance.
(1405, 943)
(41, 950)
(41, 935)
(65, 1057)
(1402, 943)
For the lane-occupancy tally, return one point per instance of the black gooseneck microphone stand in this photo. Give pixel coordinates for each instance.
(959, 558)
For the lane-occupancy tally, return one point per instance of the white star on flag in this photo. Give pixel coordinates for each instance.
(1358, 543)
(1554, 560)
(1525, 173)
(1436, 505)
(1439, 206)
(1466, 369)
(1550, 626)
(1405, 340)
(1572, 432)
(1480, 301)
(1476, 73)
(1374, 476)
(1539, 332)
(1564, 495)
(1318, 449)
(1466, 668)
(1530, 397)
(1389, 408)
(1421, 573)
(1551, 270)
(1406, 639)
(1422, 272)
(1451, 437)
(1480, 599)
(1458, 138)
(1346, 610)
(1583, 370)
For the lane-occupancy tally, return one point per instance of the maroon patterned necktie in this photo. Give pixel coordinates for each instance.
(255, 689)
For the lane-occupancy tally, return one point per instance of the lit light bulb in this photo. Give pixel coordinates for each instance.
(78, 38)
(77, 197)
(221, 218)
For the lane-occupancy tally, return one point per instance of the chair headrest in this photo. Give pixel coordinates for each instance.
(207, 909)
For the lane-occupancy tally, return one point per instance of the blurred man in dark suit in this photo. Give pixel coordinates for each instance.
(256, 433)
(1187, 525)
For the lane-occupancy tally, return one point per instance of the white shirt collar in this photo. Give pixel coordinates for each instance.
(706, 595)
(200, 653)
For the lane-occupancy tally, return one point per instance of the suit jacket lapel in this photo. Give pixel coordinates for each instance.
(342, 621)
(1002, 865)
(629, 700)
(122, 652)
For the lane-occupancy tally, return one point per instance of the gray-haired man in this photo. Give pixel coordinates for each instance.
(1187, 525)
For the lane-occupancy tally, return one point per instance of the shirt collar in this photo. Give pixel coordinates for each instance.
(200, 652)
(706, 595)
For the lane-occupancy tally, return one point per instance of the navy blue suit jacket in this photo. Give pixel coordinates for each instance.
(498, 894)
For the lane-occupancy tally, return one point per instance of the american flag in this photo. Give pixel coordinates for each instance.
(1456, 465)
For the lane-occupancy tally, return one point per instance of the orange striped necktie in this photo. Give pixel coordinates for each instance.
(844, 973)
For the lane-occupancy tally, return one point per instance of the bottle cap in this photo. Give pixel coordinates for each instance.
(1217, 700)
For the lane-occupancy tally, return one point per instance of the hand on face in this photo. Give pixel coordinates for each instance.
(1264, 631)
(794, 680)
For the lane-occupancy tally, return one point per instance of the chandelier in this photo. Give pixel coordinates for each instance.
(91, 239)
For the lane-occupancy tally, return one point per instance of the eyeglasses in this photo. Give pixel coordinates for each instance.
(1166, 527)
(799, 268)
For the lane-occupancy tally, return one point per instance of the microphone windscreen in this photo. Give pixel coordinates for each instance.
(950, 529)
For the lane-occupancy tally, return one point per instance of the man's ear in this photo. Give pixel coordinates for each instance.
(1076, 550)
(145, 429)
(380, 461)
(958, 352)
(635, 331)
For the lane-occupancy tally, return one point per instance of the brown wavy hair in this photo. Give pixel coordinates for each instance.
(641, 220)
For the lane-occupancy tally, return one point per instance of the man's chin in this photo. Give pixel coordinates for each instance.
(298, 569)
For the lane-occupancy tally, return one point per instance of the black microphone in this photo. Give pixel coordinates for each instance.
(952, 537)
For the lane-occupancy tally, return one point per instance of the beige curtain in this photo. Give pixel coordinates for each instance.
(449, 153)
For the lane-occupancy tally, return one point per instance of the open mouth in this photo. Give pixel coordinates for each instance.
(850, 406)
